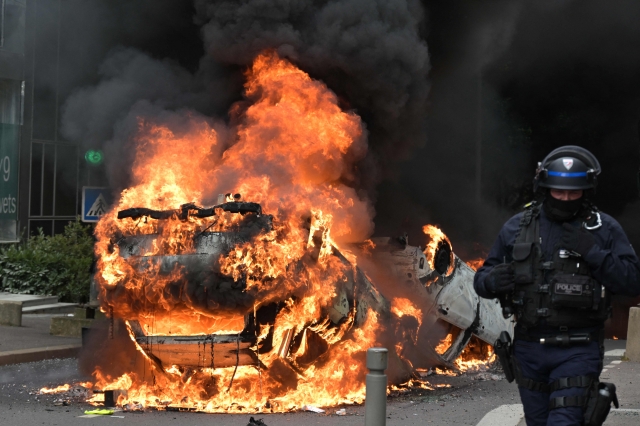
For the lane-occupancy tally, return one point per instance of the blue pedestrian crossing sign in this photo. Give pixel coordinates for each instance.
(95, 202)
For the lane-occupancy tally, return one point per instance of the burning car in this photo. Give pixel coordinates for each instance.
(243, 313)
(440, 285)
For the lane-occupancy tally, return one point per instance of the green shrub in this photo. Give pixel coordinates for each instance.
(58, 265)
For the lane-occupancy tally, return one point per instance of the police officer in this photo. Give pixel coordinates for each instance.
(554, 266)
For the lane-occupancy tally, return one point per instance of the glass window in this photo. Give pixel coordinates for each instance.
(46, 225)
(59, 225)
(45, 69)
(36, 180)
(54, 179)
(47, 179)
(13, 25)
(66, 189)
(11, 94)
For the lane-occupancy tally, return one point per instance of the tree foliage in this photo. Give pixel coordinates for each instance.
(56, 265)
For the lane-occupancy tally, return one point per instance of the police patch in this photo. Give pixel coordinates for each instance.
(568, 162)
(569, 289)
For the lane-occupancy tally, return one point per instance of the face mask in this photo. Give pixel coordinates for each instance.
(561, 211)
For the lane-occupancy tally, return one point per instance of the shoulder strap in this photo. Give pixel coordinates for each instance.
(524, 246)
(529, 228)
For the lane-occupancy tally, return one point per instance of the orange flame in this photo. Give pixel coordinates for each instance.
(476, 356)
(444, 344)
(402, 306)
(475, 264)
(58, 389)
(436, 236)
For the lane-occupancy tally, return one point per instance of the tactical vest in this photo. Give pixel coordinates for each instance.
(559, 293)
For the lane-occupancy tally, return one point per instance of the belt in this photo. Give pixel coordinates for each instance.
(563, 338)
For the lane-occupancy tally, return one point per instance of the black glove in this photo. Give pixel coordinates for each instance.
(501, 279)
(576, 239)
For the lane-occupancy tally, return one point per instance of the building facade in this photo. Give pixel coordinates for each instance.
(42, 174)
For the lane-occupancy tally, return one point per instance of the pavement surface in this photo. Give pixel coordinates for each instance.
(33, 334)
(32, 341)
(481, 398)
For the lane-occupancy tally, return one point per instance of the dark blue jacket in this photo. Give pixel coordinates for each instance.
(612, 260)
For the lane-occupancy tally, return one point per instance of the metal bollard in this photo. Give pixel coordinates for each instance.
(375, 405)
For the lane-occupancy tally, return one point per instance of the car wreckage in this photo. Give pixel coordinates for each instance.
(441, 286)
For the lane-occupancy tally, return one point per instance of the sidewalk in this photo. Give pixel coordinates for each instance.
(626, 376)
(32, 342)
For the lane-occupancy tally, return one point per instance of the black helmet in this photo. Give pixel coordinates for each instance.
(568, 167)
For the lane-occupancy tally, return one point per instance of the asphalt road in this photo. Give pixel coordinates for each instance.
(467, 400)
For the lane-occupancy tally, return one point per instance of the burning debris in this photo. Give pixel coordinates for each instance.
(67, 394)
(269, 305)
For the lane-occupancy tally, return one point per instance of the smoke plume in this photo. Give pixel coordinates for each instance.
(571, 77)
(369, 52)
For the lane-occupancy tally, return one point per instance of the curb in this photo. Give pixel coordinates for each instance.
(39, 354)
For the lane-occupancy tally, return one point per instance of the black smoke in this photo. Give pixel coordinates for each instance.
(123, 60)
(572, 75)
(370, 52)
(439, 184)
(538, 74)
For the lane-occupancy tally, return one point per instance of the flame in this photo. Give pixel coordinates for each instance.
(476, 356)
(59, 389)
(444, 372)
(444, 344)
(402, 306)
(475, 264)
(293, 150)
(367, 246)
(475, 360)
(615, 338)
(436, 236)
(474, 364)
(411, 384)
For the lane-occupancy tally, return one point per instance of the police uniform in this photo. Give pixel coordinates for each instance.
(560, 296)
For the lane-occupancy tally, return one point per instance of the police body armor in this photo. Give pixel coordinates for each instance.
(562, 293)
